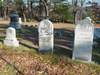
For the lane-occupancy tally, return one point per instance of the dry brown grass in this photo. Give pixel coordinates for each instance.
(37, 64)
(56, 25)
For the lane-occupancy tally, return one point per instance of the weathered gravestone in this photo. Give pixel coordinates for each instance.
(83, 40)
(20, 21)
(45, 35)
(11, 39)
(14, 20)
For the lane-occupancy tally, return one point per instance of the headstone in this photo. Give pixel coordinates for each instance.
(11, 39)
(83, 40)
(45, 35)
(14, 20)
(20, 22)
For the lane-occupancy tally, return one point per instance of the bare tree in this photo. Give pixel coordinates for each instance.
(44, 8)
(21, 8)
(78, 10)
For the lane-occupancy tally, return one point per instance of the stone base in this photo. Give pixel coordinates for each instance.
(83, 59)
(11, 42)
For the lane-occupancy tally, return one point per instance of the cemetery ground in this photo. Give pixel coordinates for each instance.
(27, 60)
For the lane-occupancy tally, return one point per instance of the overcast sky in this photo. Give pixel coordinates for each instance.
(93, 0)
(98, 1)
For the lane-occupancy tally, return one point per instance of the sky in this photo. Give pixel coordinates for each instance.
(98, 1)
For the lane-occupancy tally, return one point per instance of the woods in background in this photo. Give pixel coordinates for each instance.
(57, 11)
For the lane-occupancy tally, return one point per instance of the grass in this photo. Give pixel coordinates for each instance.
(8, 70)
(60, 57)
(46, 58)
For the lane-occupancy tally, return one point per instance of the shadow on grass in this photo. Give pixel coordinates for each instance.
(63, 39)
(62, 52)
(63, 42)
(1, 38)
(28, 46)
(3, 26)
(96, 58)
(96, 51)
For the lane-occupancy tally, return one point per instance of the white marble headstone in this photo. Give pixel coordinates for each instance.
(20, 21)
(11, 39)
(45, 35)
(83, 40)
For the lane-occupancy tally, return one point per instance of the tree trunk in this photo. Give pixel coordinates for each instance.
(46, 8)
(5, 13)
(23, 9)
(24, 17)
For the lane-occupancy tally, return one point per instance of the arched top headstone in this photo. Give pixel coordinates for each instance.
(11, 39)
(86, 23)
(45, 35)
(83, 41)
(11, 33)
(45, 28)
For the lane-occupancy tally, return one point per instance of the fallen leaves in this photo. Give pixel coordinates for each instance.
(37, 65)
